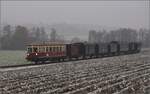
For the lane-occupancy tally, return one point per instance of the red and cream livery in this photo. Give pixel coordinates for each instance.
(45, 51)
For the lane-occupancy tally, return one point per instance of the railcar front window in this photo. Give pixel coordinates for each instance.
(29, 50)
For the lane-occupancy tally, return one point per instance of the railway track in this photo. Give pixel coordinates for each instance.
(51, 62)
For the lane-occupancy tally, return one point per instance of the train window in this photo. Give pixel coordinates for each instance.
(34, 49)
(50, 49)
(41, 49)
(60, 48)
(46, 49)
(37, 48)
(57, 49)
(53, 49)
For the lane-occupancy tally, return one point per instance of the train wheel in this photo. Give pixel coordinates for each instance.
(83, 57)
(43, 62)
(63, 59)
(36, 62)
(59, 60)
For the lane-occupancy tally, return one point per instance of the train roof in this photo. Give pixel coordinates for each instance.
(46, 44)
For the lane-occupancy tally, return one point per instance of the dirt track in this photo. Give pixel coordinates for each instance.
(128, 74)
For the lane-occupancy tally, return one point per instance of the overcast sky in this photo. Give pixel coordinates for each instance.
(134, 14)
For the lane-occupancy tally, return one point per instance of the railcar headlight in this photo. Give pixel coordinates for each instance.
(36, 54)
(47, 54)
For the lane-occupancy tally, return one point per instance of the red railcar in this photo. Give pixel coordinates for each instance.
(45, 51)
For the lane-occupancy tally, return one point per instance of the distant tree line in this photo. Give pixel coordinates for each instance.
(16, 38)
(121, 35)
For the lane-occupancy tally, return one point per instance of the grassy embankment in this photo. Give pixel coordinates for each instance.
(12, 57)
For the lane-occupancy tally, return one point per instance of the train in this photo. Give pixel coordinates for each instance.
(42, 52)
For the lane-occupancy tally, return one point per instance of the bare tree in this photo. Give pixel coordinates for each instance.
(53, 35)
(92, 36)
(6, 38)
(20, 38)
(43, 35)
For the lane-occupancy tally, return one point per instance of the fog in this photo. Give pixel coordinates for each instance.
(134, 14)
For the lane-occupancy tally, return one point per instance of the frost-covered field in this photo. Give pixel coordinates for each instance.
(12, 57)
(128, 74)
